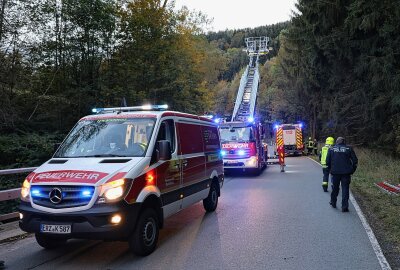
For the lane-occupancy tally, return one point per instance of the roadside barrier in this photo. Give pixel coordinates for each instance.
(12, 194)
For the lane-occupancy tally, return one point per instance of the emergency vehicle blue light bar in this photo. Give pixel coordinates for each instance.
(223, 153)
(135, 108)
(250, 119)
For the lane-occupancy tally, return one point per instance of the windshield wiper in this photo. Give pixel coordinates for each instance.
(106, 155)
(101, 155)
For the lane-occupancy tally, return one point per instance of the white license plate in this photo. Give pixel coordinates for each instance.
(231, 162)
(61, 229)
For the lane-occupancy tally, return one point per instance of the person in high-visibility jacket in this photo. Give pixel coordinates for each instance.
(310, 146)
(324, 152)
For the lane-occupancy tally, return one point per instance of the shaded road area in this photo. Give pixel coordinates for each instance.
(271, 221)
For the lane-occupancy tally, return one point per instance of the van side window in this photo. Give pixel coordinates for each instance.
(166, 132)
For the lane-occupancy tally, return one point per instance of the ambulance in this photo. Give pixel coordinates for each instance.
(119, 174)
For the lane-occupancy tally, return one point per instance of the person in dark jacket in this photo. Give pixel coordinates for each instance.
(341, 163)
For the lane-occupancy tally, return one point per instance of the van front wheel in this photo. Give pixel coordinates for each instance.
(210, 203)
(144, 239)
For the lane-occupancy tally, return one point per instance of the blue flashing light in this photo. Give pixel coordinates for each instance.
(164, 106)
(223, 153)
(301, 125)
(155, 107)
(36, 192)
(217, 120)
(241, 153)
(96, 110)
(276, 126)
(250, 119)
(86, 193)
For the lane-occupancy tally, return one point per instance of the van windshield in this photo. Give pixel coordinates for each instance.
(111, 137)
(238, 134)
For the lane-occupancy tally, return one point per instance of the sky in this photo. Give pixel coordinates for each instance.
(234, 14)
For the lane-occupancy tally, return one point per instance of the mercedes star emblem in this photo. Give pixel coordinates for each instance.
(55, 195)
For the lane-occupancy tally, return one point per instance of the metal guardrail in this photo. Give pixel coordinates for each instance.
(12, 194)
(15, 171)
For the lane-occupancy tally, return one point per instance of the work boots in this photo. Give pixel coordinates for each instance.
(325, 186)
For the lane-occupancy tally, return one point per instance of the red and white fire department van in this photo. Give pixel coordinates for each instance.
(119, 174)
(242, 146)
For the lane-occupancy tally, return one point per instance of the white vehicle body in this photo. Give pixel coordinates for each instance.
(83, 179)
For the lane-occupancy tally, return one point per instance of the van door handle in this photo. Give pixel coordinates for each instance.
(184, 163)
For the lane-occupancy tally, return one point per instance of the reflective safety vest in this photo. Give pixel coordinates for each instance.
(324, 153)
(310, 144)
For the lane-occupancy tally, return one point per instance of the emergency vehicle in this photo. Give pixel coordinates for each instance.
(119, 173)
(290, 136)
(242, 146)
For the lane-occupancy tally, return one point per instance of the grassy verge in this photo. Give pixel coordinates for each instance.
(381, 209)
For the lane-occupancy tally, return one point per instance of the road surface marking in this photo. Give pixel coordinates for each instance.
(371, 236)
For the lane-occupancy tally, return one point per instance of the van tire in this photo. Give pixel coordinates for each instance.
(49, 241)
(143, 240)
(211, 202)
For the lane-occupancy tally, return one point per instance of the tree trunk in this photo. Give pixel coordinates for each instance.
(314, 124)
(3, 7)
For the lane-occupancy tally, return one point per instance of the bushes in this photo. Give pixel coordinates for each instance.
(26, 150)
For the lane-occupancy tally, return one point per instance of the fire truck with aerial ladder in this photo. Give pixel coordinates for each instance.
(241, 137)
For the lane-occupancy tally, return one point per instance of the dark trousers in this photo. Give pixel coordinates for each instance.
(325, 178)
(343, 180)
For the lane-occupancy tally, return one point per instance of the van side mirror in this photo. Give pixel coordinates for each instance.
(56, 146)
(164, 150)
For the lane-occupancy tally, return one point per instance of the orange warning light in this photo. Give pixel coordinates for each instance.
(150, 178)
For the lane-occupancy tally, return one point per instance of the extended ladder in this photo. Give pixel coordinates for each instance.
(247, 93)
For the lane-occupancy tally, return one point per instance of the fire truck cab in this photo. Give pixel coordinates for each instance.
(242, 146)
(119, 174)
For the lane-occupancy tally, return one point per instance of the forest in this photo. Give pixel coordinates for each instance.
(334, 66)
(338, 68)
(59, 59)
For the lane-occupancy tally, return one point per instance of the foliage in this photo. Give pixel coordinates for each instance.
(340, 68)
(26, 150)
(59, 59)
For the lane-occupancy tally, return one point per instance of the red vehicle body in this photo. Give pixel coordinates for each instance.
(242, 146)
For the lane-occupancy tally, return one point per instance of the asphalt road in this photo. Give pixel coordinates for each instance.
(272, 221)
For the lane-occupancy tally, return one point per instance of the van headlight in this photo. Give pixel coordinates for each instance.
(112, 191)
(26, 188)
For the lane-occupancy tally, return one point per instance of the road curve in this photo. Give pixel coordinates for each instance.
(272, 221)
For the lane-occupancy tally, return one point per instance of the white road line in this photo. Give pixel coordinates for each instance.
(374, 242)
